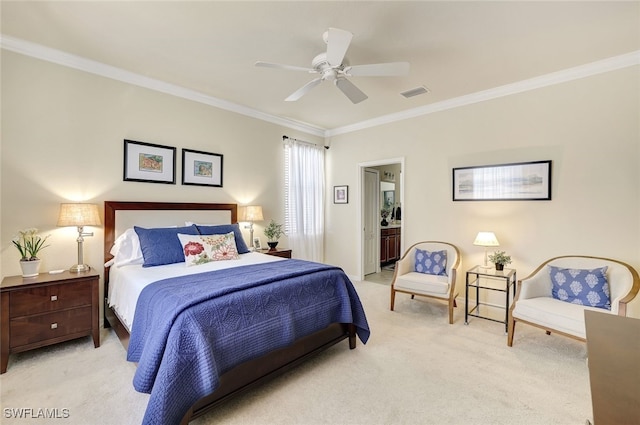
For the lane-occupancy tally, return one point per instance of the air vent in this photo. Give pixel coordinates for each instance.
(415, 92)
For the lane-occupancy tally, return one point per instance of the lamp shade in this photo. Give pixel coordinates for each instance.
(79, 215)
(486, 239)
(253, 213)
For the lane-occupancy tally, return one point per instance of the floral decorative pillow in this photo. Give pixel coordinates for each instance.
(431, 262)
(583, 287)
(199, 249)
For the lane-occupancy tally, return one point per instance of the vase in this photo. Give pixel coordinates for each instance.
(384, 222)
(499, 267)
(30, 268)
(272, 245)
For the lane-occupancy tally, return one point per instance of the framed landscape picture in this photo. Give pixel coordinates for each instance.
(150, 163)
(201, 168)
(527, 181)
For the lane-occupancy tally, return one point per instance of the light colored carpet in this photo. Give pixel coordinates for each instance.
(416, 369)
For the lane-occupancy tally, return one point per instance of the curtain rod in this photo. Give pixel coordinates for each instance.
(285, 137)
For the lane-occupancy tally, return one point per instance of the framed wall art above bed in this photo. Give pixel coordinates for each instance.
(149, 163)
(201, 168)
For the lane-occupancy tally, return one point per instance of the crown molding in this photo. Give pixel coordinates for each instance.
(72, 61)
(76, 62)
(594, 68)
(570, 74)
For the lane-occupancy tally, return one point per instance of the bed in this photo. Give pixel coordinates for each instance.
(229, 325)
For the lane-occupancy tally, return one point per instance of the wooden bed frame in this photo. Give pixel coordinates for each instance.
(245, 375)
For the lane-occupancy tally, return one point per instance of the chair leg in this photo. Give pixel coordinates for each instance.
(452, 304)
(511, 329)
(393, 297)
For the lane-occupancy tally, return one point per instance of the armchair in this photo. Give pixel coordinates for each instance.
(435, 283)
(535, 305)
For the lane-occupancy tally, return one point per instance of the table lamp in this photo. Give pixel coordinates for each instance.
(486, 239)
(79, 215)
(253, 213)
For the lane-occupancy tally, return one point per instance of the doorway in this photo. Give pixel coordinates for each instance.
(369, 210)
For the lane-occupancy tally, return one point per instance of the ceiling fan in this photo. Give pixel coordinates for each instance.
(332, 66)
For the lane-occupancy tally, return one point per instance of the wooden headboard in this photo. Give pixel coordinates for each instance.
(112, 207)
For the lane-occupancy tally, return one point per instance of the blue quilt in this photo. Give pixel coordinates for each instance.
(189, 330)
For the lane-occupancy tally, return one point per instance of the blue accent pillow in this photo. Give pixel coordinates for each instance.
(431, 262)
(584, 287)
(161, 245)
(223, 229)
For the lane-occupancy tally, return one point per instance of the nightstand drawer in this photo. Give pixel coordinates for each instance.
(41, 327)
(49, 298)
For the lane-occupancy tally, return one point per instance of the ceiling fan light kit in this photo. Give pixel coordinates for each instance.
(333, 66)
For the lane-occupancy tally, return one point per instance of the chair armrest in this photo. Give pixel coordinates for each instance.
(538, 285)
(405, 265)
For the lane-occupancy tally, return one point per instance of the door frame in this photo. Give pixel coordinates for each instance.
(360, 206)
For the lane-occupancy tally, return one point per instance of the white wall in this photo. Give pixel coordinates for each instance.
(589, 128)
(63, 131)
(62, 140)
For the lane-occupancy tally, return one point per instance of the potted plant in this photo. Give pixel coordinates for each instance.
(29, 244)
(273, 232)
(500, 258)
(384, 213)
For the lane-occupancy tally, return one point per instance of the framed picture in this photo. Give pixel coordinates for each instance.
(389, 197)
(527, 181)
(256, 244)
(340, 194)
(146, 162)
(201, 168)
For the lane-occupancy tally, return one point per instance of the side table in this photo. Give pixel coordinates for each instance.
(284, 253)
(474, 276)
(47, 309)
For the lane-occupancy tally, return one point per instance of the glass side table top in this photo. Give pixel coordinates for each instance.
(491, 271)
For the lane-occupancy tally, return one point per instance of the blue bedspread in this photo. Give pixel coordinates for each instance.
(189, 330)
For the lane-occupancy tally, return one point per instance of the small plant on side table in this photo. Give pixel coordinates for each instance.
(273, 232)
(500, 259)
(29, 244)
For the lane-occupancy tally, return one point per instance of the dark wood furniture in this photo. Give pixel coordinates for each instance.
(613, 350)
(389, 244)
(284, 253)
(48, 309)
(246, 375)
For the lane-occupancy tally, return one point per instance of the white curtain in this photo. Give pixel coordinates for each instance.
(304, 199)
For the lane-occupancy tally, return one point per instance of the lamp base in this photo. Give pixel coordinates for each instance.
(79, 268)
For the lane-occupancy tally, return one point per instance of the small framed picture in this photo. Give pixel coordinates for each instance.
(201, 168)
(340, 194)
(149, 163)
(256, 244)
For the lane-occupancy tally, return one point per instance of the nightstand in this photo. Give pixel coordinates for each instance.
(284, 253)
(47, 309)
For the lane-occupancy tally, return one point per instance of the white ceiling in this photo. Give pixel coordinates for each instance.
(454, 48)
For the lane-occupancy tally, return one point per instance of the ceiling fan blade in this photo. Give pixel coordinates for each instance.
(337, 44)
(354, 94)
(303, 90)
(281, 66)
(390, 69)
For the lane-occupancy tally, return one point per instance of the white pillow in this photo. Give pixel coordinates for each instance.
(126, 250)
